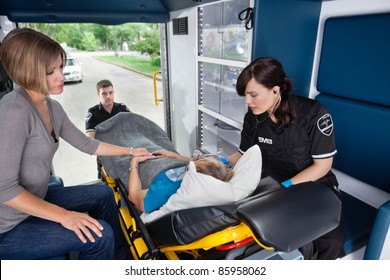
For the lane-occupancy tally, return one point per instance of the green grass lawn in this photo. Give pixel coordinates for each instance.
(131, 62)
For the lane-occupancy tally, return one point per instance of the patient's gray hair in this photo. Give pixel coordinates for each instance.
(213, 167)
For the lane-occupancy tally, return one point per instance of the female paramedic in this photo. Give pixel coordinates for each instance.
(37, 222)
(295, 135)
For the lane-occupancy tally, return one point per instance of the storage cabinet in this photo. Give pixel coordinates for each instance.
(217, 137)
(223, 51)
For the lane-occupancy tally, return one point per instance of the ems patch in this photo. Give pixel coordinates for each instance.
(88, 116)
(325, 124)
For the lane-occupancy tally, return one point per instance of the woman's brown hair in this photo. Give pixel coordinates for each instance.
(269, 72)
(28, 56)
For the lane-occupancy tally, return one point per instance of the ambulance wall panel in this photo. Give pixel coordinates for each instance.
(353, 84)
(287, 31)
(355, 58)
(362, 139)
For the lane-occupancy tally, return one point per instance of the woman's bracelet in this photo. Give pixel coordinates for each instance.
(131, 150)
(133, 167)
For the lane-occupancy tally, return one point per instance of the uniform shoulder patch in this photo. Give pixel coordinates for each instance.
(88, 116)
(325, 124)
(124, 107)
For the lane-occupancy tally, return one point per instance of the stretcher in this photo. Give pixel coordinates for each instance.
(273, 223)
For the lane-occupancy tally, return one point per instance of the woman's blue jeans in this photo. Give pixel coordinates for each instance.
(35, 238)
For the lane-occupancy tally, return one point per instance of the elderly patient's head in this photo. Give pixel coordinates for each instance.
(213, 167)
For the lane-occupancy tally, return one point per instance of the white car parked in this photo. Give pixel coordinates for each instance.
(72, 70)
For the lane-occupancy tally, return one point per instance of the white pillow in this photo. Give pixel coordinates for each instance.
(199, 190)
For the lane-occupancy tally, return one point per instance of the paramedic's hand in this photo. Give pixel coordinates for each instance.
(82, 224)
(169, 154)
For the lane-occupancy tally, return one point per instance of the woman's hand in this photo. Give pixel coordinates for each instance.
(105, 149)
(79, 223)
(164, 153)
(82, 224)
(169, 154)
(137, 159)
(140, 152)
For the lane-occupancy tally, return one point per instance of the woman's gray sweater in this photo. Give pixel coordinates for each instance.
(27, 149)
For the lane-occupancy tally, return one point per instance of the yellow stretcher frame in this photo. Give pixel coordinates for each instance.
(139, 249)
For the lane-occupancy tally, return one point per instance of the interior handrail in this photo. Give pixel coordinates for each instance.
(156, 99)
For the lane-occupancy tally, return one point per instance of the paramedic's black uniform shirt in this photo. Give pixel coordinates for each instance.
(287, 151)
(97, 115)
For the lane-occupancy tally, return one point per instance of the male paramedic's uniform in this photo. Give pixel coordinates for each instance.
(97, 114)
(287, 151)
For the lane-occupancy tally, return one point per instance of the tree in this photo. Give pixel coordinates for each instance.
(81, 37)
(103, 34)
(142, 37)
(150, 41)
(89, 43)
(58, 32)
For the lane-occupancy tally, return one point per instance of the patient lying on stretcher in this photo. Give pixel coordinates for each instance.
(195, 190)
(207, 182)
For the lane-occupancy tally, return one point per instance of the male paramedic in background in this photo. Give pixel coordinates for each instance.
(106, 109)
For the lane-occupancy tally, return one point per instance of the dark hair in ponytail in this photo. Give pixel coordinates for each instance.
(269, 72)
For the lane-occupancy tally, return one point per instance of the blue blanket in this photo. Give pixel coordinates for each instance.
(132, 130)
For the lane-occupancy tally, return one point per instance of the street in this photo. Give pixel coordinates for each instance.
(133, 89)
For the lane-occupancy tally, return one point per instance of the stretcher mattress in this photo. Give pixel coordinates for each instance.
(285, 219)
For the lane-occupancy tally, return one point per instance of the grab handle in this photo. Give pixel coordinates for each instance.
(156, 100)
